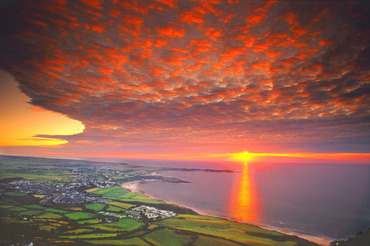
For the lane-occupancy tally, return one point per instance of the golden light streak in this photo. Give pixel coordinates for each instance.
(244, 204)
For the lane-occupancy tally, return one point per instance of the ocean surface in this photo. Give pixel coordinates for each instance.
(328, 201)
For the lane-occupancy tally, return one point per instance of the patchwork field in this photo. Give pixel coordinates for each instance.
(31, 215)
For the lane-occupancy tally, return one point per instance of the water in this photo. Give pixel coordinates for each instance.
(323, 200)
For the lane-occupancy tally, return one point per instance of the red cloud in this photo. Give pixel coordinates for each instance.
(171, 3)
(194, 15)
(157, 66)
(171, 32)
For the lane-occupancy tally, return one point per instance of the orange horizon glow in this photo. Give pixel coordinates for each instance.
(21, 123)
(237, 158)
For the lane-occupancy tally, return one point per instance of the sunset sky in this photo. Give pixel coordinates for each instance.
(182, 78)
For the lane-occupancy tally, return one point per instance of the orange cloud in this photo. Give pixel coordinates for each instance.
(172, 32)
(238, 64)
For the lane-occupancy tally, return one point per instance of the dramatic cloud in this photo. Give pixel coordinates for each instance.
(204, 76)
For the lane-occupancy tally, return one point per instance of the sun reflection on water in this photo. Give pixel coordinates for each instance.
(244, 204)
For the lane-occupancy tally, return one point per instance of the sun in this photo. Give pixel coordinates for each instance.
(244, 156)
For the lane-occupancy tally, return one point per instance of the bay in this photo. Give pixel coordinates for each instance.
(316, 201)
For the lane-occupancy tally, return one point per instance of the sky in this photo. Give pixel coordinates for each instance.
(183, 78)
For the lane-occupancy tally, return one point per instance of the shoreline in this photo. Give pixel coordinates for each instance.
(134, 186)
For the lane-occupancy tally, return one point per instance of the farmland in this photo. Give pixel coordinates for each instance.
(85, 205)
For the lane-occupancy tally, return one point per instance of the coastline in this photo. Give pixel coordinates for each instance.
(134, 186)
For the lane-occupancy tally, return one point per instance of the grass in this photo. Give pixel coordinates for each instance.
(94, 235)
(5, 206)
(16, 194)
(136, 197)
(130, 241)
(31, 212)
(57, 224)
(168, 237)
(127, 224)
(34, 207)
(41, 178)
(91, 221)
(80, 215)
(58, 211)
(107, 190)
(92, 190)
(16, 209)
(113, 192)
(47, 228)
(111, 208)
(75, 209)
(95, 206)
(121, 205)
(84, 227)
(106, 227)
(206, 241)
(221, 228)
(9, 220)
(50, 216)
(39, 196)
(121, 194)
(79, 231)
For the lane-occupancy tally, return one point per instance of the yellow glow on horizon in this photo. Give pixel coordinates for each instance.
(20, 122)
(244, 156)
(251, 157)
(349, 157)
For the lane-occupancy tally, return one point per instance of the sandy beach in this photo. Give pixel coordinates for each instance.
(134, 186)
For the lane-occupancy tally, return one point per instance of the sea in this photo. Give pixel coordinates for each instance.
(319, 202)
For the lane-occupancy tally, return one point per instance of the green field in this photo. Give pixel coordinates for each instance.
(95, 206)
(136, 197)
(94, 235)
(90, 221)
(121, 205)
(79, 231)
(220, 228)
(168, 237)
(108, 190)
(39, 196)
(49, 216)
(58, 211)
(31, 212)
(5, 206)
(130, 241)
(34, 207)
(80, 215)
(111, 208)
(106, 227)
(206, 241)
(16, 209)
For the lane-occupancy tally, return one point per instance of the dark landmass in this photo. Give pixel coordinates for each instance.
(361, 239)
(197, 170)
(75, 202)
(153, 178)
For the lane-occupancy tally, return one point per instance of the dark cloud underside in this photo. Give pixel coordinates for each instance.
(204, 72)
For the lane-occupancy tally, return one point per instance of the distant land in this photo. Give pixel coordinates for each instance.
(75, 202)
